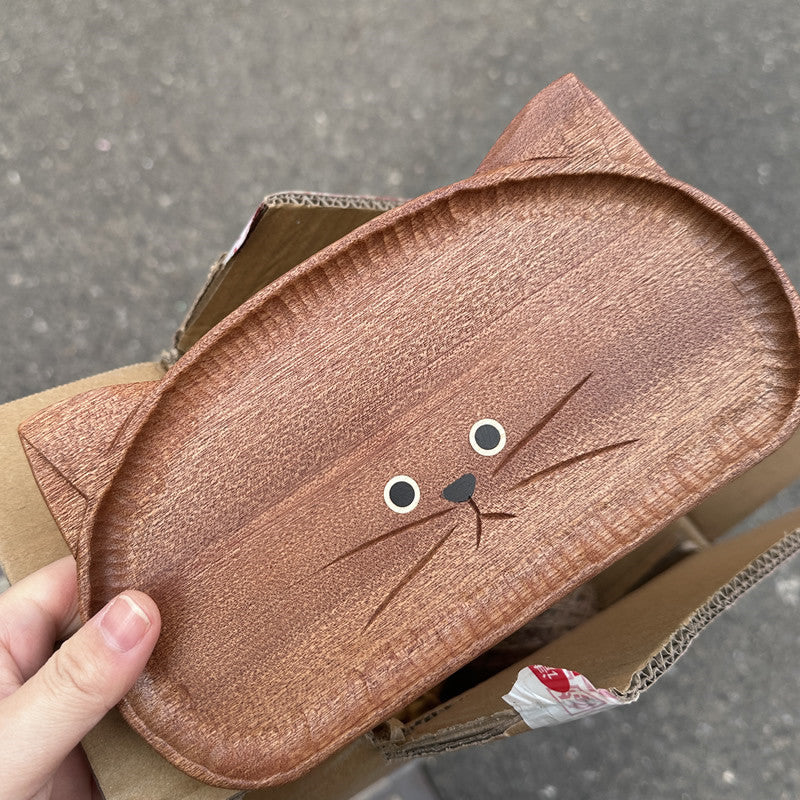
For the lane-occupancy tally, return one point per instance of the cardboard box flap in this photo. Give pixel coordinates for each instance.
(286, 229)
(126, 766)
(720, 511)
(626, 647)
(129, 769)
(30, 538)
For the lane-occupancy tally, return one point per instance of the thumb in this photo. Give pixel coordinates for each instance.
(47, 716)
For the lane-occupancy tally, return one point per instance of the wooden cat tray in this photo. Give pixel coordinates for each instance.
(399, 452)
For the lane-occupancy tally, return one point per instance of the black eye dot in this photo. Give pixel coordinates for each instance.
(487, 437)
(402, 494)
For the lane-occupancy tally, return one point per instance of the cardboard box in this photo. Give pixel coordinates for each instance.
(654, 601)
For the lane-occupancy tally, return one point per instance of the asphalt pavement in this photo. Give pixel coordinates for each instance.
(137, 138)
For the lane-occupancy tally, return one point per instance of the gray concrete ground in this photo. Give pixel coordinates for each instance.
(136, 139)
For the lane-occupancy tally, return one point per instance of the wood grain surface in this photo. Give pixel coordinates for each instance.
(636, 342)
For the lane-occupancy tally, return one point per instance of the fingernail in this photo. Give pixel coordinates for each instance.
(124, 623)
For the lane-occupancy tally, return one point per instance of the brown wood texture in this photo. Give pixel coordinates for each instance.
(637, 342)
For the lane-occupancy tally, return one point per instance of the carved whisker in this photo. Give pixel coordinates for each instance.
(541, 423)
(572, 460)
(490, 515)
(479, 523)
(407, 577)
(386, 535)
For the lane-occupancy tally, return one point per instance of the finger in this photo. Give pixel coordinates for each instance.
(45, 719)
(34, 614)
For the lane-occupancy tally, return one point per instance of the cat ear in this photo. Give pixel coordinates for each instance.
(70, 447)
(565, 120)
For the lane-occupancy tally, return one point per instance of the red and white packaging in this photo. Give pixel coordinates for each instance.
(549, 695)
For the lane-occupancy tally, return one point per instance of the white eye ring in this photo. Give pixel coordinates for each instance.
(482, 450)
(391, 483)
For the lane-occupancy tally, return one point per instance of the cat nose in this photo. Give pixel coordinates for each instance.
(461, 489)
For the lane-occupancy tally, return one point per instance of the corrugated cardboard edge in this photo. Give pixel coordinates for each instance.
(468, 718)
(286, 229)
(722, 599)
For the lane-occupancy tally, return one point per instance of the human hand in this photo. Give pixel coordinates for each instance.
(49, 701)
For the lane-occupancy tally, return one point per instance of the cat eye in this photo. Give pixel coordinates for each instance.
(401, 494)
(487, 437)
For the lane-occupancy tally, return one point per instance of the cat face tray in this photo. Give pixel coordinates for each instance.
(413, 442)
